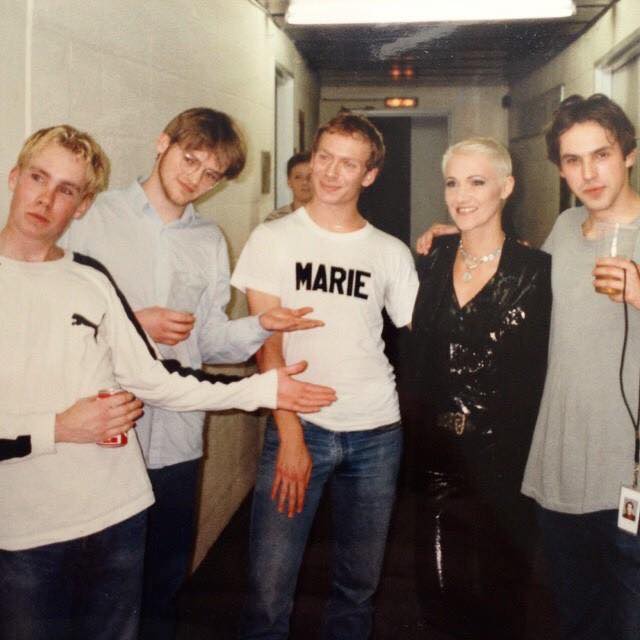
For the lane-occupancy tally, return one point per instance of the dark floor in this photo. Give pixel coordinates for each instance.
(211, 602)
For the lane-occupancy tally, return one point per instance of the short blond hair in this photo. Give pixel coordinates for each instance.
(81, 144)
(486, 146)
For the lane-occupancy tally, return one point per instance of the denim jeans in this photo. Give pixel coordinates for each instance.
(89, 587)
(171, 529)
(595, 568)
(361, 468)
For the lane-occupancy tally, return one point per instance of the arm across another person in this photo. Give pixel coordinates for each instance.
(138, 368)
(92, 419)
(220, 340)
(424, 242)
(170, 326)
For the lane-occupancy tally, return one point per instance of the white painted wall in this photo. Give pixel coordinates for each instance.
(121, 70)
(575, 69)
(285, 135)
(12, 81)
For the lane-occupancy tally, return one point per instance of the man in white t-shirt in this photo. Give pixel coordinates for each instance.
(328, 256)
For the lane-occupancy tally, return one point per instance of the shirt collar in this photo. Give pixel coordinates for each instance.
(143, 207)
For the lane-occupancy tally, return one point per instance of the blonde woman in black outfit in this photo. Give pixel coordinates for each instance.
(480, 331)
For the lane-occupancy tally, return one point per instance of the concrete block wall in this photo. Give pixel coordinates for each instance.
(574, 68)
(12, 80)
(121, 70)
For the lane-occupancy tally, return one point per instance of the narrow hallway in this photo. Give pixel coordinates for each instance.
(211, 601)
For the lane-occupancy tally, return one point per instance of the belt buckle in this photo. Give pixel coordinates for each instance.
(459, 422)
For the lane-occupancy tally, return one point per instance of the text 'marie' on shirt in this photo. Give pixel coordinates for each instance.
(331, 279)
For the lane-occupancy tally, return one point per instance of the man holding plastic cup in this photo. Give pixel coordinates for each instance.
(582, 451)
(615, 240)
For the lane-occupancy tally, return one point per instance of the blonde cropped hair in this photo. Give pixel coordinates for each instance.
(489, 147)
(81, 144)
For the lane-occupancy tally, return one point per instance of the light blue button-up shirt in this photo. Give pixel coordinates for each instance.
(182, 265)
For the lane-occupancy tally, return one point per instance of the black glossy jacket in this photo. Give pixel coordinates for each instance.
(521, 288)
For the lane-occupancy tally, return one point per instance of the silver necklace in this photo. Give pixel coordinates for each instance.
(471, 263)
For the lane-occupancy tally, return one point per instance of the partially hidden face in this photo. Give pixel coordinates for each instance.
(48, 192)
(592, 163)
(299, 182)
(339, 168)
(474, 190)
(187, 174)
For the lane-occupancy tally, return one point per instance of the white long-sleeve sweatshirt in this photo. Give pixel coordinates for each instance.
(65, 333)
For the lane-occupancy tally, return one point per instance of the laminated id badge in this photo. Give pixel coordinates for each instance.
(628, 509)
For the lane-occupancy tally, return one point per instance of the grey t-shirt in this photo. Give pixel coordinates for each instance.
(583, 444)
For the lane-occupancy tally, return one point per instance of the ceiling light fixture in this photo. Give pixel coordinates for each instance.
(400, 11)
(401, 103)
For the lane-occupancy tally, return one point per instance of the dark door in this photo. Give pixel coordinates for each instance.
(387, 202)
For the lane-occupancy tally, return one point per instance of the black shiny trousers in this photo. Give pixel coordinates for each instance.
(473, 554)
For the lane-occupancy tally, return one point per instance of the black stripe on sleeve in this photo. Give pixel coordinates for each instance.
(172, 366)
(98, 266)
(18, 448)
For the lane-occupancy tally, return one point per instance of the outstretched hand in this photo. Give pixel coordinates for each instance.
(424, 242)
(96, 419)
(283, 319)
(302, 397)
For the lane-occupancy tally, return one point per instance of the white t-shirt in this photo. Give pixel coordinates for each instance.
(348, 278)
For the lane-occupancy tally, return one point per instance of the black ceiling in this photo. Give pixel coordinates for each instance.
(438, 53)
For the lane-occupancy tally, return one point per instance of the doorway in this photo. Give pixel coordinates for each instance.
(407, 197)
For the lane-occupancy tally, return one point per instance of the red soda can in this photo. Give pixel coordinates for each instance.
(118, 440)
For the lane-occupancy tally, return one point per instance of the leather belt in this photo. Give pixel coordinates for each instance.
(458, 423)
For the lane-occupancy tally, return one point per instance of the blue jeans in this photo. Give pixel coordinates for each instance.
(89, 587)
(361, 468)
(595, 569)
(171, 529)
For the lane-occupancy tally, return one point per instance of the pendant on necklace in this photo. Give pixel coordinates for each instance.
(473, 262)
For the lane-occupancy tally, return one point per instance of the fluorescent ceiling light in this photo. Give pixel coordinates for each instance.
(397, 11)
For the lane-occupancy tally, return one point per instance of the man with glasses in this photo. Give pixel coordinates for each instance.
(173, 268)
